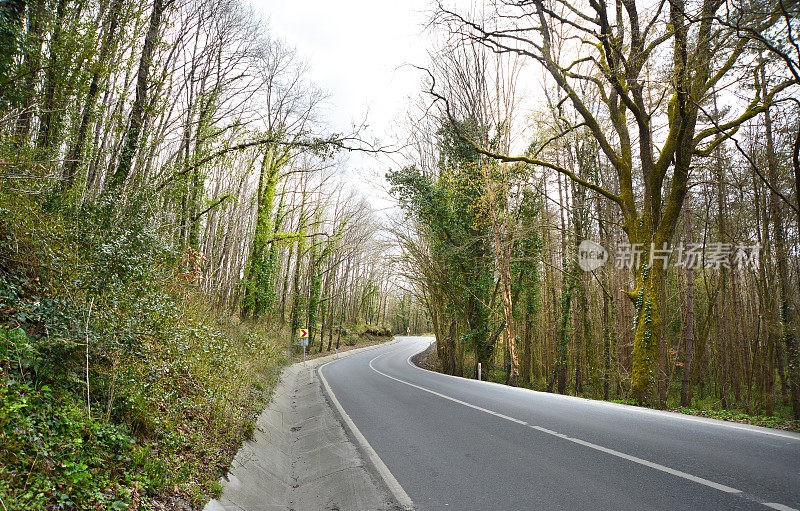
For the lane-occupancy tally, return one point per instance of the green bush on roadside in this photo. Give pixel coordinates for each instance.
(174, 385)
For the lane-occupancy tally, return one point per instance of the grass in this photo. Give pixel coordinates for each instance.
(166, 421)
(174, 386)
(743, 418)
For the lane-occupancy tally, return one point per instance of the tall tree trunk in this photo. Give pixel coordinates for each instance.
(786, 309)
(315, 275)
(31, 65)
(503, 256)
(75, 154)
(48, 116)
(562, 336)
(343, 302)
(527, 349)
(722, 339)
(297, 298)
(766, 302)
(605, 287)
(687, 329)
(647, 329)
(325, 304)
(582, 308)
(451, 346)
(606, 337)
(138, 111)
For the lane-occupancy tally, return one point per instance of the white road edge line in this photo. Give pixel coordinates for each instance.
(640, 461)
(633, 409)
(399, 493)
(779, 507)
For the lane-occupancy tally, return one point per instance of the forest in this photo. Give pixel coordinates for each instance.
(664, 143)
(597, 199)
(171, 213)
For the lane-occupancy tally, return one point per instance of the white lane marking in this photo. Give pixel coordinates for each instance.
(399, 493)
(631, 409)
(779, 507)
(578, 441)
(640, 461)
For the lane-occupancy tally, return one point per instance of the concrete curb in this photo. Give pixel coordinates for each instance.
(300, 457)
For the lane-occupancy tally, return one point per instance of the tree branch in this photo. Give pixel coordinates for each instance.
(213, 205)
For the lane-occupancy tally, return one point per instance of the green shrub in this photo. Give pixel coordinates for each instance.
(52, 454)
(174, 385)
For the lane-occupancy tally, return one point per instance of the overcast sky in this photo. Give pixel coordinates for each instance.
(358, 51)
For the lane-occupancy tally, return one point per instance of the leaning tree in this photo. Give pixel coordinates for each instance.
(653, 67)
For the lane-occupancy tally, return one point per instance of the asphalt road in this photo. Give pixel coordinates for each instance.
(458, 444)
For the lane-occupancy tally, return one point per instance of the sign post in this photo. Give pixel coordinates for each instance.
(304, 343)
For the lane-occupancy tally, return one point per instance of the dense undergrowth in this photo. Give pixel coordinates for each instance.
(119, 387)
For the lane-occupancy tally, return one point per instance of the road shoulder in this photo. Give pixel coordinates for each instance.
(300, 457)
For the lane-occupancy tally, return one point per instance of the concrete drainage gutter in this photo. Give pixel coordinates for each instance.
(300, 457)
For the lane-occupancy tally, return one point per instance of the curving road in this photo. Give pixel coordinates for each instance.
(458, 444)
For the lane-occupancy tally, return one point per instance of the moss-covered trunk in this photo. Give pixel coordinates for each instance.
(313, 294)
(527, 349)
(647, 333)
(261, 269)
(297, 298)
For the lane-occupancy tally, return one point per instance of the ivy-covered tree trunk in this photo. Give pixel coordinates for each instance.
(687, 330)
(525, 359)
(261, 269)
(579, 221)
(529, 319)
(478, 288)
(315, 287)
(561, 362)
(297, 297)
(646, 337)
(606, 337)
(450, 347)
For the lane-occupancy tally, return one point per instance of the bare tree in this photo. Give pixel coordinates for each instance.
(615, 49)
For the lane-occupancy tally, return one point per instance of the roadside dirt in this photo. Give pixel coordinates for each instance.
(427, 359)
